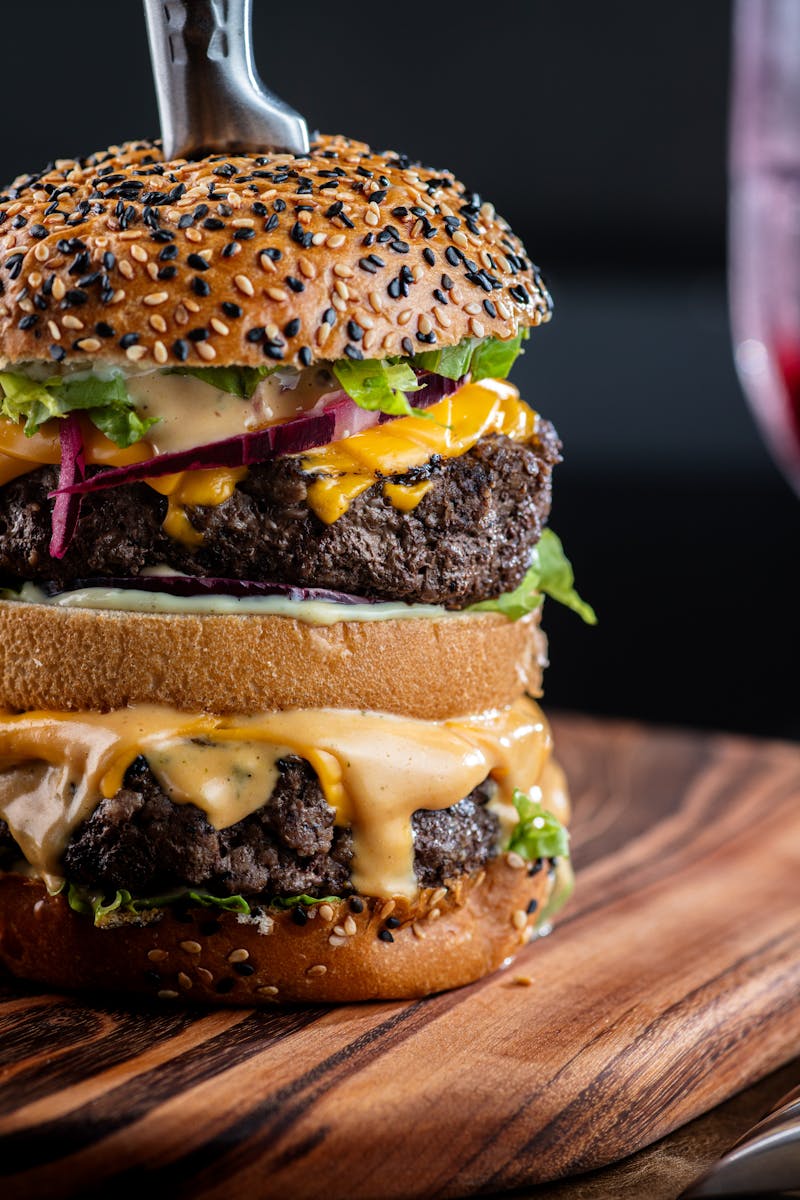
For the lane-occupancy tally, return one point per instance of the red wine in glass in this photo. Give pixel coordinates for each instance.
(765, 220)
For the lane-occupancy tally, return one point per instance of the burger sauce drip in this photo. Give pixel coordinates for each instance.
(375, 770)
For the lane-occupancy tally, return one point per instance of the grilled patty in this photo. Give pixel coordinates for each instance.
(468, 540)
(142, 841)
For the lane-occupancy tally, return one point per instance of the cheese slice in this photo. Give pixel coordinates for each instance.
(375, 771)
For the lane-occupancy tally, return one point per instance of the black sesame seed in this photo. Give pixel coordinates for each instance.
(198, 335)
(399, 247)
(209, 928)
(385, 936)
(165, 255)
(368, 266)
(197, 262)
(274, 349)
(200, 287)
(353, 352)
(180, 349)
(29, 321)
(452, 256)
(535, 867)
(213, 223)
(407, 345)
(14, 265)
(532, 906)
(230, 309)
(334, 210)
(304, 354)
(292, 328)
(295, 284)
(279, 205)
(272, 252)
(429, 256)
(152, 976)
(110, 260)
(299, 915)
(229, 250)
(128, 339)
(256, 334)
(225, 985)
(244, 968)
(394, 288)
(354, 331)
(392, 922)
(490, 309)
(168, 272)
(103, 330)
(400, 212)
(271, 223)
(447, 283)
(38, 231)
(329, 316)
(439, 295)
(356, 904)
(57, 353)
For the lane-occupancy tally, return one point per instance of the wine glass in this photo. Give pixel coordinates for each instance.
(765, 219)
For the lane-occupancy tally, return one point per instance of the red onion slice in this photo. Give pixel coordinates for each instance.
(334, 417)
(67, 507)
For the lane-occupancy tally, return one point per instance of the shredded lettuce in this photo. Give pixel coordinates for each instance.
(481, 358)
(104, 400)
(237, 381)
(373, 384)
(537, 834)
(109, 910)
(550, 573)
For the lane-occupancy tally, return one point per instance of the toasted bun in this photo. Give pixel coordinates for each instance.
(446, 939)
(124, 258)
(69, 658)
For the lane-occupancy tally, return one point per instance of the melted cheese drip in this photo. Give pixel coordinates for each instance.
(343, 470)
(375, 771)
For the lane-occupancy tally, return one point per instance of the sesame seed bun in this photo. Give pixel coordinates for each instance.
(123, 258)
(446, 938)
(74, 659)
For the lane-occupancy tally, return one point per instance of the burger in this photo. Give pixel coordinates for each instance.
(273, 550)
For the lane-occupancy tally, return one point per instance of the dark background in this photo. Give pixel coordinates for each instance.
(599, 130)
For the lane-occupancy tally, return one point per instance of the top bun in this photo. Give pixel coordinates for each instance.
(253, 259)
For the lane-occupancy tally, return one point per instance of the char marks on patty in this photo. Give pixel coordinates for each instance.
(469, 539)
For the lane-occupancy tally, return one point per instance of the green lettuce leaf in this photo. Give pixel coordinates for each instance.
(105, 401)
(293, 901)
(550, 573)
(483, 358)
(537, 834)
(373, 384)
(102, 907)
(237, 381)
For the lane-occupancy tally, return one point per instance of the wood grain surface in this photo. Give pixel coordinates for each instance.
(671, 982)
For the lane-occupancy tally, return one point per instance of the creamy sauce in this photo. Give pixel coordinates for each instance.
(375, 771)
(313, 612)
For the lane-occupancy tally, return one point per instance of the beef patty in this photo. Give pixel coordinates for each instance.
(142, 841)
(468, 540)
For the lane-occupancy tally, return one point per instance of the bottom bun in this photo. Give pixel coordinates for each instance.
(389, 950)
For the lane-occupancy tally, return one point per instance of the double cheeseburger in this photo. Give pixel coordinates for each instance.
(272, 552)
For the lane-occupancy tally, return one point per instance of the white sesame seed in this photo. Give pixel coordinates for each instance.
(503, 309)
(55, 332)
(272, 331)
(456, 294)
(192, 305)
(35, 279)
(371, 217)
(434, 914)
(419, 932)
(335, 240)
(442, 317)
(167, 994)
(158, 323)
(267, 991)
(118, 297)
(306, 268)
(152, 270)
(416, 228)
(387, 909)
(341, 289)
(350, 926)
(317, 969)
(184, 981)
(472, 308)
(340, 931)
(192, 947)
(323, 333)
(376, 301)
(266, 263)
(153, 299)
(369, 339)
(425, 326)
(135, 353)
(476, 328)
(193, 235)
(41, 253)
(156, 955)
(181, 316)
(206, 351)
(339, 302)
(237, 956)
(71, 322)
(405, 316)
(343, 271)
(519, 919)
(160, 353)
(326, 912)
(366, 321)
(244, 285)
(89, 345)
(139, 253)
(276, 293)
(243, 223)
(335, 940)
(460, 239)
(486, 259)
(523, 980)
(125, 268)
(219, 326)
(59, 289)
(319, 239)
(438, 895)
(204, 974)
(515, 860)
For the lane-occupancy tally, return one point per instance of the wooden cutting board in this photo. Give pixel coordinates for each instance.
(671, 982)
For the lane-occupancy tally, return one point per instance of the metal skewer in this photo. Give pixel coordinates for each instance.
(210, 97)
